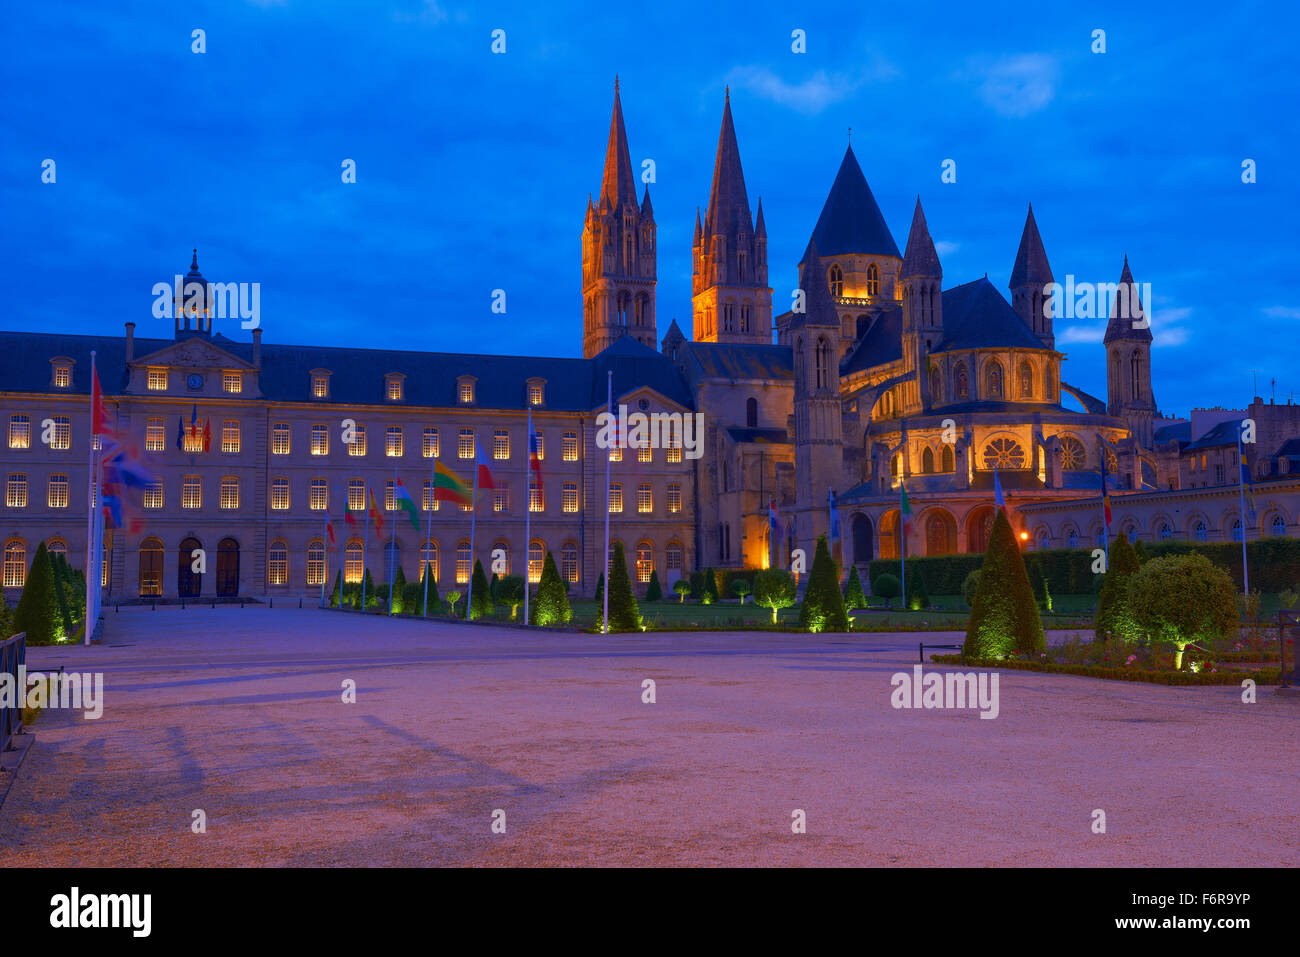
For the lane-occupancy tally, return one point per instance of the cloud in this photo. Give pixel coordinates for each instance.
(1090, 334)
(1282, 312)
(429, 11)
(818, 91)
(944, 248)
(1018, 85)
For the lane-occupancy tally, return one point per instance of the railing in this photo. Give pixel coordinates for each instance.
(13, 655)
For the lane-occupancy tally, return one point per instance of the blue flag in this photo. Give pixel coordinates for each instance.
(998, 498)
(180, 433)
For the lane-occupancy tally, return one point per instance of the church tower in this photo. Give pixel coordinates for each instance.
(818, 410)
(618, 253)
(730, 298)
(1128, 361)
(1028, 277)
(921, 277)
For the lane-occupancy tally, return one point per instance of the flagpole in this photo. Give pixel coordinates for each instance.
(428, 535)
(324, 550)
(392, 546)
(528, 511)
(92, 614)
(473, 514)
(365, 544)
(1241, 501)
(902, 542)
(343, 539)
(605, 564)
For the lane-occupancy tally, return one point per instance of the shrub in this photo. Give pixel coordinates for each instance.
(480, 597)
(823, 605)
(453, 597)
(1180, 599)
(854, 596)
(917, 596)
(1111, 621)
(510, 592)
(740, 588)
(412, 598)
(551, 604)
(624, 615)
(887, 586)
(434, 602)
(653, 590)
(63, 583)
(969, 587)
(683, 588)
(710, 587)
(1141, 551)
(335, 591)
(600, 589)
(38, 607)
(774, 589)
(1004, 617)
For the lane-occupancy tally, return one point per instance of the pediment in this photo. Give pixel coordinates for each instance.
(194, 353)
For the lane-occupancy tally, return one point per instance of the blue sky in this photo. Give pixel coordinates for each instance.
(473, 168)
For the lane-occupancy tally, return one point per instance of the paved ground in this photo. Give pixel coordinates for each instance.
(239, 712)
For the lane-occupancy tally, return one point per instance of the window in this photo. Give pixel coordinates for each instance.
(569, 446)
(536, 557)
(1026, 380)
(428, 503)
(674, 498)
(357, 447)
(823, 358)
(539, 446)
(394, 388)
(15, 564)
(57, 494)
(836, 278)
(644, 498)
(280, 439)
(615, 497)
(1278, 525)
(616, 455)
(20, 432)
(1166, 532)
(751, 412)
(1218, 474)
(193, 440)
(16, 490)
(465, 392)
(536, 496)
(393, 444)
(318, 498)
(230, 440)
(155, 435)
(674, 455)
(1236, 529)
(62, 375)
(873, 280)
(315, 562)
(993, 381)
(430, 560)
(960, 383)
(644, 562)
(390, 496)
(465, 443)
(1073, 457)
(927, 461)
(429, 446)
(673, 560)
(353, 562)
(501, 445)
(157, 380)
(320, 440)
(947, 460)
(569, 497)
(232, 382)
(191, 492)
(1004, 454)
(1072, 539)
(356, 495)
(152, 496)
(535, 393)
(1199, 531)
(645, 454)
(229, 491)
(277, 564)
(62, 437)
(280, 494)
(569, 562)
(462, 561)
(320, 385)
(501, 498)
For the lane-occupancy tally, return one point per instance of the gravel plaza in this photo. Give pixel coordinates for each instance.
(239, 713)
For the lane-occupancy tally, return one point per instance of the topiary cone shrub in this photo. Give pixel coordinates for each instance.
(854, 596)
(550, 606)
(38, 609)
(653, 590)
(1110, 621)
(624, 615)
(481, 600)
(823, 605)
(1004, 617)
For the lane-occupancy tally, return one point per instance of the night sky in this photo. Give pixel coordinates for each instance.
(473, 168)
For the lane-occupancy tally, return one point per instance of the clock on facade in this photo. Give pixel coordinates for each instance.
(195, 381)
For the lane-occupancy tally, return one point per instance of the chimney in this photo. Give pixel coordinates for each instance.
(130, 341)
(257, 347)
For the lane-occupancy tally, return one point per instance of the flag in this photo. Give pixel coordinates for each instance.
(450, 487)
(112, 509)
(347, 514)
(836, 549)
(1105, 490)
(194, 422)
(481, 461)
(402, 499)
(534, 453)
(207, 435)
(122, 466)
(773, 526)
(377, 517)
(98, 416)
(180, 433)
(998, 499)
(1246, 484)
(905, 509)
(329, 528)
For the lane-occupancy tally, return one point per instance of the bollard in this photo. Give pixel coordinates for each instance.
(155, 606)
(270, 604)
(299, 602)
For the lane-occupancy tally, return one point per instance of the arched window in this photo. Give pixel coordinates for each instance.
(893, 465)
(1099, 537)
(936, 386)
(1199, 531)
(353, 569)
(536, 558)
(1236, 529)
(1134, 375)
(15, 567)
(277, 563)
(56, 546)
(315, 562)
(948, 459)
(873, 280)
(1072, 538)
(1026, 380)
(798, 365)
(430, 560)
(1004, 454)
(1043, 540)
(462, 561)
(836, 280)
(993, 381)
(644, 561)
(504, 549)
(823, 363)
(1049, 385)
(751, 413)
(960, 384)
(1278, 525)
(1166, 532)
(927, 461)
(1073, 456)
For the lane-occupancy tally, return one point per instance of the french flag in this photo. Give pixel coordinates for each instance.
(534, 453)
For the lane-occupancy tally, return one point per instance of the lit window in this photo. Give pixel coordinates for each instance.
(673, 560)
(465, 443)
(152, 496)
(466, 393)
(462, 562)
(616, 455)
(106, 565)
(569, 562)
(353, 562)
(501, 498)
(536, 558)
(280, 439)
(320, 386)
(62, 437)
(393, 444)
(157, 380)
(674, 451)
(540, 441)
(394, 389)
(232, 382)
(320, 440)
(191, 492)
(155, 434)
(430, 446)
(230, 439)
(644, 499)
(615, 497)
(569, 499)
(15, 568)
(57, 494)
(356, 495)
(193, 439)
(280, 494)
(535, 394)
(62, 376)
(390, 496)
(357, 447)
(536, 496)
(645, 454)
(569, 446)
(428, 503)
(504, 549)
(430, 564)
(16, 490)
(674, 498)
(644, 563)
(318, 500)
(501, 444)
(315, 562)
(277, 564)
(20, 432)
(467, 508)
(229, 491)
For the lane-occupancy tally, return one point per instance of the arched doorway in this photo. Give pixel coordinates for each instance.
(861, 531)
(889, 537)
(189, 583)
(979, 526)
(151, 567)
(940, 533)
(227, 567)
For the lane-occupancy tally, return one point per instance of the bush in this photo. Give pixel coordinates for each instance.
(600, 589)
(624, 615)
(435, 604)
(551, 603)
(453, 597)
(775, 589)
(1111, 621)
(653, 590)
(38, 608)
(480, 598)
(63, 584)
(1180, 599)
(917, 596)
(740, 588)
(969, 587)
(1004, 617)
(510, 592)
(412, 598)
(683, 588)
(886, 586)
(823, 605)
(854, 596)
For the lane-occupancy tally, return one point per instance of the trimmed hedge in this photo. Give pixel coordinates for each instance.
(1262, 676)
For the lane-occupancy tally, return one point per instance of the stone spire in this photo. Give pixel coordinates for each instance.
(728, 210)
(619, 185)
(920, 258)
(1031, 266)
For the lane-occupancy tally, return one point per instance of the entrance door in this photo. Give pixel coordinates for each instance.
(189, 583)
(151, 568)
(227, 568)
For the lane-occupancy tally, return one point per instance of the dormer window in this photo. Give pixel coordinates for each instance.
(536, 392)
(61, 373)
(157, 381)
(320, 383)
(465, 390)
(394, 386)
(232, 383)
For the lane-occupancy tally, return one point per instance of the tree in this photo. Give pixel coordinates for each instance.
(970, 586)
(624, 615)
(854, 596)
(480, 598)
(823, 605)
(510, 591)
(653, 590)
(600, 589)
(740, 588)
(774, 588)
(334, 592)
(683, 588)
(1123, 565)
(1141, 551)
(1179, 600)
(368, 589)
(453, 596)
(1004, 617)
(38, 607)
(434, 602)
(917, 596)
(887, 586)
(397, 590)
(710, 586)
(551, 604)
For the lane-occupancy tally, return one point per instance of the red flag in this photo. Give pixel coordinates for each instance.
(207, 435)
(98, 416)
(329, 527)
(484, 473)
(376, 517)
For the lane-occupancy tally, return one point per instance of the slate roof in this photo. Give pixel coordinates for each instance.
(760, 436)
(1123, 328)
(1225, 433)
(851, 221)
(976, 316)
(882, 343)
(727, 360)
(1031, 258)
(1179, 432)
(920, 258)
